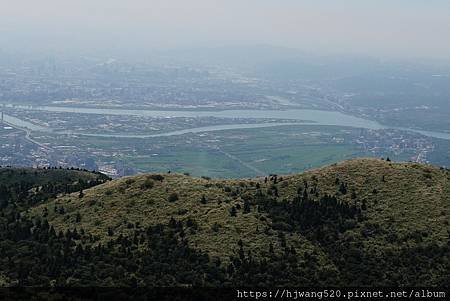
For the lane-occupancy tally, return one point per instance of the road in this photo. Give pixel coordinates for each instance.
(28, 136)
(233, 157)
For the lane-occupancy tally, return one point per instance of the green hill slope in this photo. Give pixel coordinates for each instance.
(360, 222)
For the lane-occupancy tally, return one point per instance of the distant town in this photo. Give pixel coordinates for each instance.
(113, 115)
(114, 153)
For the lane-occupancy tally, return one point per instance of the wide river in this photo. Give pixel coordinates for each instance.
(314, 117)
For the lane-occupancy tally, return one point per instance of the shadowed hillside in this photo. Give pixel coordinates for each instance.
(28, 186)
(360, 222)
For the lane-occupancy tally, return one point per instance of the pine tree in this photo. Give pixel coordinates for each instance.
(233, 211)
(78, 217)
(246, 206)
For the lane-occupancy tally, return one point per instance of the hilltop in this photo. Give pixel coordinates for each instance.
(29, 186)
(40, 176)
(359, 222)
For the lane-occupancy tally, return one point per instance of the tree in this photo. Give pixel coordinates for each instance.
(157, 177)
(110, 231)
(246, 206)
(271, 248)
(241, 250)
(78, 217)
(215, 227)
(364, 205)
(233, 211)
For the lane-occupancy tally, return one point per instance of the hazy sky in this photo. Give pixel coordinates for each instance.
(375, 27)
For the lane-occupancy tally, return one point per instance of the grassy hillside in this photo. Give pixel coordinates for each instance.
(360, 222)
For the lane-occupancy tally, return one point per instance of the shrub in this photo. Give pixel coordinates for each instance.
(246, 206)
(157, 177)
(191, 223)
(110, 231)
(247, 197)
(182, 211)
(129, 181)
(281, 226)
(122, 189)
(233, 211)
(148, 184)
(215, 227)
(78, 217)
(173, 197)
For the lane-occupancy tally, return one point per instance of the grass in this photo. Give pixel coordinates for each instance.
(127, 203)
(412, 199)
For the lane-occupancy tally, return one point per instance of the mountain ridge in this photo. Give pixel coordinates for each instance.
(358, 222)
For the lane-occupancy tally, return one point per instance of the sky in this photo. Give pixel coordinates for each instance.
(391, 28)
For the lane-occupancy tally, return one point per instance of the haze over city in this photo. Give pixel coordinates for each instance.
(399, 29)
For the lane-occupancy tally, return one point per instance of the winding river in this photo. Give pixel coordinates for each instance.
(314, 117)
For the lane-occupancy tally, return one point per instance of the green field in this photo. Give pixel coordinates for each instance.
(252, 152)
(194, 161)
(245, 153)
